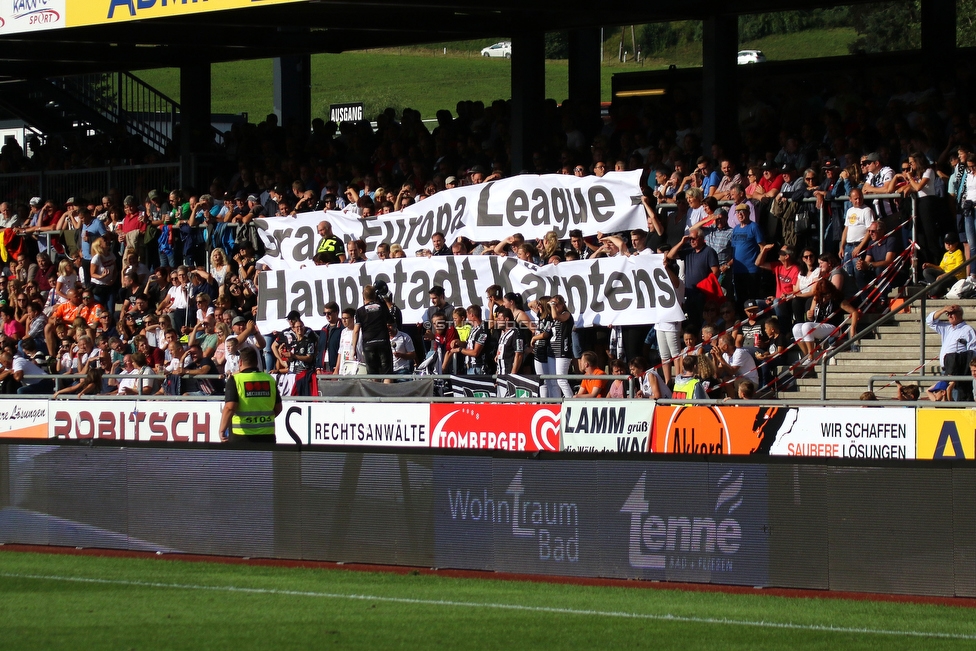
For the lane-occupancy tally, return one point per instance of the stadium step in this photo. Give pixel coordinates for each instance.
(893, 351)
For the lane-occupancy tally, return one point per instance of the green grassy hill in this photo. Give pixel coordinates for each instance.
(426, 79)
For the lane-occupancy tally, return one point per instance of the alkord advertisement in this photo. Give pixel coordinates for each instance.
(660, 521)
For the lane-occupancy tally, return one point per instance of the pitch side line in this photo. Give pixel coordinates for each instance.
(497, 606)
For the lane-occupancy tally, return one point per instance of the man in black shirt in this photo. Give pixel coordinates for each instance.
(371, 324)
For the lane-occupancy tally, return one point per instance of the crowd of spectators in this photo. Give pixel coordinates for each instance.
(143, 286)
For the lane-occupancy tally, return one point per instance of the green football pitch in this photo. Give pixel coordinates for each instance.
(85, 602)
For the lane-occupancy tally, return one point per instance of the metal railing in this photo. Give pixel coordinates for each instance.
(822, 224)
(885, 318)
(153, 377)
(124, 99)
(92, 183)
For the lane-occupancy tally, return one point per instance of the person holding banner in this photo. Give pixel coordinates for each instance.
(511, 347)
(561, 343)
(540, 343)
(372, 321)
(329, 244)
(473, 350)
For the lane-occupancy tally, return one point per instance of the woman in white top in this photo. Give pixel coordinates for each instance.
(806, 282)
(67, 280)
(220, 268)
(176, 301)
(104, 268)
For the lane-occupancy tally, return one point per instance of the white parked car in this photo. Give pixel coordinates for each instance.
(502, 50)
(750, 56)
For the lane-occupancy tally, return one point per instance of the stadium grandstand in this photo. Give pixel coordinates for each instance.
(720, 264)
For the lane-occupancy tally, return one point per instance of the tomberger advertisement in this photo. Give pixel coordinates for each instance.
(659, 521)
(130, 420)
(354, 423)
(606, 425)
(517, 428)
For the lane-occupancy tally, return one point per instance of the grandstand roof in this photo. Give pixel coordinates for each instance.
(76, 40)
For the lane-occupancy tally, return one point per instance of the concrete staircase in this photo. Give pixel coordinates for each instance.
(893, 351)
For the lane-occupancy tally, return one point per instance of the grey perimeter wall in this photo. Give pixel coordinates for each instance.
(897, 529)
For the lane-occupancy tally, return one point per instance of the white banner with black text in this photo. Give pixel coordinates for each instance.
(621, 290)
(527, 204)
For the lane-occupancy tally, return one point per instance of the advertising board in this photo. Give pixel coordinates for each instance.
(522, 427)
(19, 16)
(24, 419)
(715, 430)
(606, 425)
(356, 423)
(661, 521)
(945, 434)
(849, 432)
(99, 12)
(130, 420)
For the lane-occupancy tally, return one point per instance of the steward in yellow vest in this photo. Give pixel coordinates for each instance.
(251, 403)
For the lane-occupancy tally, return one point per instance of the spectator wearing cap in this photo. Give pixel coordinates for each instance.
(880, 179)
(833, 185)
(276, 195)
(951, 259)
(938, 392)
(958, 345)
(133, 226)
(33, 215)
(296, 347)
(450, 183)
(792, 182)
(476, 175)
(769, 184)
(254, 209)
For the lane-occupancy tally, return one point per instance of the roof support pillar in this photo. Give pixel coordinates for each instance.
(196, 132)
(938, 33)
(585, 53)
(528, 96)
(293, 90)
(720, 106)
